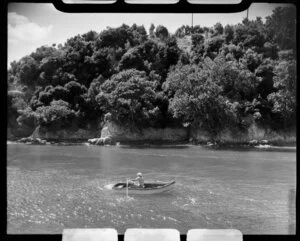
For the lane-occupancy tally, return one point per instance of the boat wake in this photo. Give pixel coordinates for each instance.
(124, 199)
(109, 186)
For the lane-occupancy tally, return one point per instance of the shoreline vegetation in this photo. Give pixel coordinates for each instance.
(218, 86)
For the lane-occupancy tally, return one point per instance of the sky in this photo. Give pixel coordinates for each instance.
(31, 25)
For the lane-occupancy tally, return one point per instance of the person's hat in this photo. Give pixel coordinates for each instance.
(139, 174)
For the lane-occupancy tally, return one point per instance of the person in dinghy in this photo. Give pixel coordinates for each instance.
(138, 181)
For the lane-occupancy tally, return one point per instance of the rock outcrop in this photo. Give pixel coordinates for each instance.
(119, 133)
(63, 134)
(112, 133)
(100, 141)
(253, 136)
(35, 141)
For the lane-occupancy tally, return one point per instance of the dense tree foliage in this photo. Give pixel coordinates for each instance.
(161, 32)
(284, 99)
(281, 27)
(130, 97)
(210, 77)
(58, 114)
(196, 99)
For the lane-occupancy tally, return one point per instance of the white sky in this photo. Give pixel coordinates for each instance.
(31, 25)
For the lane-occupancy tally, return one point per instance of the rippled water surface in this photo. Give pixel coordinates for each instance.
(55, 187)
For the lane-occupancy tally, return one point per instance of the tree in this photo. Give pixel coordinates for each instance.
(152, 56)
(270, 50)
(58, 114)
(232, 51)
(197, 30)
(180, 32)
(196, 99)
(251, 59)
(265, 71)
(27, 117)
(45, 97)
(75, 93)
(29, 71)
(42, 52)
(115, 37)
(95, 86)
(197, 40)
(90, 107)
(229, 33)
(59, 93)
(78, 59)
(139, 34)
(151, 30)
(236, 81)
(15, 103)
(132, 59)
(129, 97)
(161, 32)
(250, 34)
(172, 51)
(61, 78)
(284, 99)
(281, 27)
(166, 55)
(218, 29)
(90, 36)
(101, 62)
(50, 68)
(213, 45)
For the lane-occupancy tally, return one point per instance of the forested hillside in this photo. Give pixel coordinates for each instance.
(211, 78)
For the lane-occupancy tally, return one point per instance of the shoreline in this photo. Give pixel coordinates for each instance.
(113, 134)
(158, 144)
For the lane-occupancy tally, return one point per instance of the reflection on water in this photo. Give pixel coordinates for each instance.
(55, 187)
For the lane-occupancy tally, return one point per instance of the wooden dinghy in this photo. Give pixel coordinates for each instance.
(149, 188)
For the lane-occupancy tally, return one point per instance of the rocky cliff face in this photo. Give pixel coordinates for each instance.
(63, 134)
(118, 133)
(236, 136)
(112, 133)
(18, 132)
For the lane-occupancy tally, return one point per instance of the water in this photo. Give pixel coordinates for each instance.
(55, 187)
